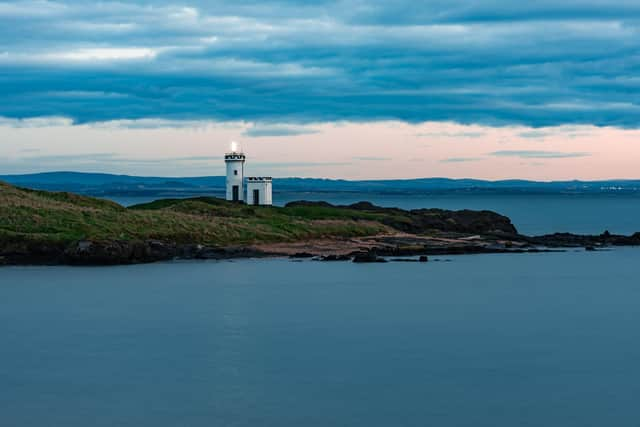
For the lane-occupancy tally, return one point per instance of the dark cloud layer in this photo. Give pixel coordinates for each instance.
(488, 62)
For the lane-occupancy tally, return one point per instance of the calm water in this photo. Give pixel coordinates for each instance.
(531, 213)
(490, 340)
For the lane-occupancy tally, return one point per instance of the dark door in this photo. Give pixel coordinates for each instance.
(256, 197)
(236, 193)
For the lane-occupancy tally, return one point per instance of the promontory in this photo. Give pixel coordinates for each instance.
(40, 227)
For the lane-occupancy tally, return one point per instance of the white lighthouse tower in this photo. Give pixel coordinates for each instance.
(235, 173)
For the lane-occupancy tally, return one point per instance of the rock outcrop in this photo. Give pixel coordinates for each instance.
(367, 257)
(420, 221)
(114, 252)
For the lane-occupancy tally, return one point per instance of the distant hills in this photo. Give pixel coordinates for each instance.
(102, 184)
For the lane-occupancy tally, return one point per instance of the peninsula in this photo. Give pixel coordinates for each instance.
(41, 227)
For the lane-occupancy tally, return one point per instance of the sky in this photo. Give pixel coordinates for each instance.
(354, 89)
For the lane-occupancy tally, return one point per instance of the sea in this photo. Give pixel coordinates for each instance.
(547, 339)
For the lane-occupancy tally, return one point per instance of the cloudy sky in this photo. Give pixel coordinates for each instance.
(352, 88)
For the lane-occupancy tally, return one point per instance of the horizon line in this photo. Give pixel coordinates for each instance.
(329, 179)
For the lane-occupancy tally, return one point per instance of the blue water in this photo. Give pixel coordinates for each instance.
(486, 340)
(532, 214)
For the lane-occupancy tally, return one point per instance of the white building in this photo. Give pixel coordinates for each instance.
(258, 189)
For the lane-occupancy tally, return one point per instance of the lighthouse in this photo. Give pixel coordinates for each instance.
(235, 174)
(258, 188)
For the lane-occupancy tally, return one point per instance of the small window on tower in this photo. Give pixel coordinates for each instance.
(235, 172)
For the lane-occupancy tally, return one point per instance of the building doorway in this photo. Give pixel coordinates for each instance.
(256, 197)
(236, 193)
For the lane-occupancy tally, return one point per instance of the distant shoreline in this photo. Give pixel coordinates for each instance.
(105, 185)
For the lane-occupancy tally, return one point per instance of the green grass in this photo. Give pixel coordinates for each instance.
(62, 217)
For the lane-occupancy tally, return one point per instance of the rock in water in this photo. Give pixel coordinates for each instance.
(301, 255)
(364, 257)
(335, 258)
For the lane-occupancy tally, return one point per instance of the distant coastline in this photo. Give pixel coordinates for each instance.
(110, 185)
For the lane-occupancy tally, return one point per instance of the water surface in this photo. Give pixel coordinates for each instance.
(485, 340)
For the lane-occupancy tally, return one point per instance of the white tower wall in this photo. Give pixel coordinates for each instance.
(235, 176)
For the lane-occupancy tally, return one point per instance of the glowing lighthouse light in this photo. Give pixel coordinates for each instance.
(234, 147)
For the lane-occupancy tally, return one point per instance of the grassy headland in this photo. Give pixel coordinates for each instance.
(66, 217)
(57, 227)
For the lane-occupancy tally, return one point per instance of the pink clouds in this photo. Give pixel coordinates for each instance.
(338, 150)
